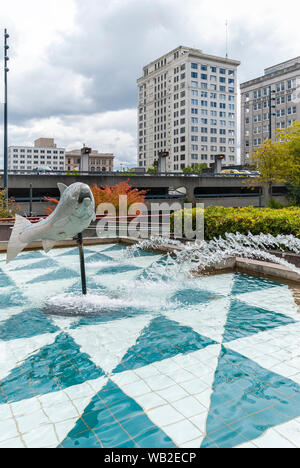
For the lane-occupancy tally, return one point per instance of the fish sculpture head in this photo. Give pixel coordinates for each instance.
(78, 198)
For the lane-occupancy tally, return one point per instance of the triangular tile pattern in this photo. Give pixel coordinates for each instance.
(43, 264)
(5, 280)
(21, 278)
(286, 435)
(113, 420)
(25, 256)
(115, 248)
(109, 315)
(7, 312)
(117, 269)
(67, 361)
(247, 399)
(45, 421)
(11, 297)
(244, 320)
(216, 284)
(175, 393)
(52, 368)
(26, 325)
(100, 247)
(98, 257)
(162, 339)
(17, 351)
(57, 274)
(92, 286)
(37, 293)
(70, 252)
(246, 284)
(277, 350)
(276, 299)
(207, 319)
(191, 296)
(107, 342)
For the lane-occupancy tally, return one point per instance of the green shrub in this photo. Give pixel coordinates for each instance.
(294, 194)
(220, 220)
(8, 208)
(274, 204)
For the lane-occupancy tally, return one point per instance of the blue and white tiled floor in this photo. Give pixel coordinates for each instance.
(208, 362)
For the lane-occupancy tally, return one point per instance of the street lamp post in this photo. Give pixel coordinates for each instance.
(6, 70)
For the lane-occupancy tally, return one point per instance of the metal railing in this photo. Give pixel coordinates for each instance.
(154, 224)
(122, 173)
(35, 219)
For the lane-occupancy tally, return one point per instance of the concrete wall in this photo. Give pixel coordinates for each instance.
(47, 184)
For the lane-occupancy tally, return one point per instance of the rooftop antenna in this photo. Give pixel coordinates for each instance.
(226, 24)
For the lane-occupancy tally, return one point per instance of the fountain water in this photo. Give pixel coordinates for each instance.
(203, 255)
(172, 271)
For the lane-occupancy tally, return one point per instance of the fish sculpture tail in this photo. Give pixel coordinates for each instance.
(15, 246)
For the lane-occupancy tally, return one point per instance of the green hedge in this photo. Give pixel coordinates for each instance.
(219, 220)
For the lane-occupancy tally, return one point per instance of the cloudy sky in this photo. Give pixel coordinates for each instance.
(74, 63)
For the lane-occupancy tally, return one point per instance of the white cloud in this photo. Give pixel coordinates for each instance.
(108, 132)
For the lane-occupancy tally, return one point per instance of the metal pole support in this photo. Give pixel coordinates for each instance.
(82, 264)
(30, 200)
(5, 119)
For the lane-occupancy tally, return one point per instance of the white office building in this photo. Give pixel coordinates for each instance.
(187, 106)
(268, 103)
(44, 153)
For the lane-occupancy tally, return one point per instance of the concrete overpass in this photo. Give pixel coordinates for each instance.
(225, 191)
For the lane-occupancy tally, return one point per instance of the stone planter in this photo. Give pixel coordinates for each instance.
(5, 231)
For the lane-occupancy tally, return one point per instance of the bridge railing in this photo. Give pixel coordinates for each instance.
(121, 173)
(114, 226)
(36, 219)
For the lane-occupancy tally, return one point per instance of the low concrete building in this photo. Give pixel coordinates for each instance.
(44, 153)
(98, 162)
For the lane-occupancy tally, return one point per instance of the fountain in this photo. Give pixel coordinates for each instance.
(149, 330)
(202, 256)
(74, 213)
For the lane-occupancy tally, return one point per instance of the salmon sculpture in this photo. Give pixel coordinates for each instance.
(73, 214)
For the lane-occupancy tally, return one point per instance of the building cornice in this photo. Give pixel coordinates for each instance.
(269, 76)
(196, 53)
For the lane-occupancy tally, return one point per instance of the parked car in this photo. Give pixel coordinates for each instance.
(42, 169)
(229, 173)
(244, 174)
(255, 174)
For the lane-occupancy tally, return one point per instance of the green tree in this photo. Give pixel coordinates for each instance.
(290, 165)
(195, 169)
(154, 168)
(279, 160)
(8, 208)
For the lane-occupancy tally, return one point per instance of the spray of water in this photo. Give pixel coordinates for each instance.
(152, 289)
(202, 255)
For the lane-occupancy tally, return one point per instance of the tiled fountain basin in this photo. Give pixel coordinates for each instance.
(204, 362)
(230, 264)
